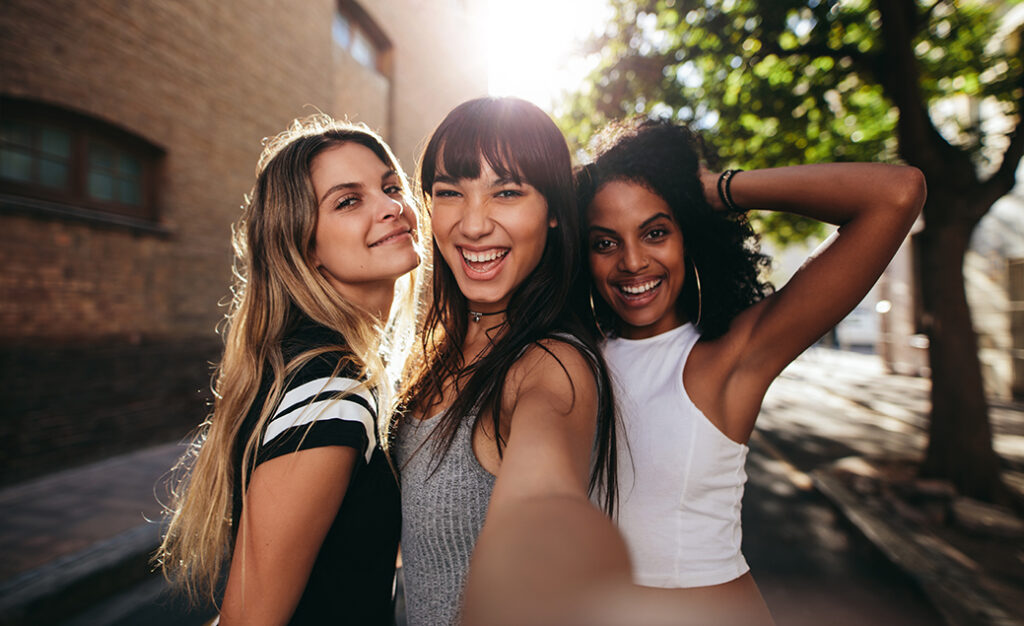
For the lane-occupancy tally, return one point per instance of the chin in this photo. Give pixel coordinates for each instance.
(481, 297)
(412, 261)
(639, 322)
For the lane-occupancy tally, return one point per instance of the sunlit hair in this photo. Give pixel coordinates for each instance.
(276, 286)
(665, 158)
(519, 142)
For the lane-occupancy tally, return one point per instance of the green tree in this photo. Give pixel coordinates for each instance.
(777, 82)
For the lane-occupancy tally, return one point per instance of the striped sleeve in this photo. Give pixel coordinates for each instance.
(320, 410)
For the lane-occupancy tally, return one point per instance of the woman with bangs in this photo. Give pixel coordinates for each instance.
(288, 475)
(509, 400)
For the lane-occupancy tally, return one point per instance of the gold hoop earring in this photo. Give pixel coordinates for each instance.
(700, 302)
(593, 311)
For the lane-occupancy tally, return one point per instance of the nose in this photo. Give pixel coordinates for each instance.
(633, 259)
(475, 221)
(390, 208)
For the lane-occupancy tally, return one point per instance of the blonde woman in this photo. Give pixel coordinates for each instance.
(289, 478)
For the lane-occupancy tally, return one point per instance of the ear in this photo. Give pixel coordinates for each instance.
(314, 259)
(552, 222)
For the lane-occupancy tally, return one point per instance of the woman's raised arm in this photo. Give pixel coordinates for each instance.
(874, 206)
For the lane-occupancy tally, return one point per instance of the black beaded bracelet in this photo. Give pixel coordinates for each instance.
(725, 193)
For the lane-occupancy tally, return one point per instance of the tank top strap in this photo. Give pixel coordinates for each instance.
(575, 342)
(668, 351)
(688, 336)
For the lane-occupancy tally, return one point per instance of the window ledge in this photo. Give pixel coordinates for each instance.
(10, 203)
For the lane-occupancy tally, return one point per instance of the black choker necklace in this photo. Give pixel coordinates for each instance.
(476, 315)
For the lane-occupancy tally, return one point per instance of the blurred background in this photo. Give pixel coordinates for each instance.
(129, 133)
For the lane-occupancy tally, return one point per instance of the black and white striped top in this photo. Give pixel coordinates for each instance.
(325, 409)
(351, 580)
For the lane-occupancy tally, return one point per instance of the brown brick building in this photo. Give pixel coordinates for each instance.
(129, 133)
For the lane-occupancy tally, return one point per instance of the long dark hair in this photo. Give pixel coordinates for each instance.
(665, 157)
(519, 142)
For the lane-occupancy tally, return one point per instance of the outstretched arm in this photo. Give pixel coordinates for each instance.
(544, 561)
(558, 560)
(546, 555)
(552, 404)
(542, 537)
(874, 206)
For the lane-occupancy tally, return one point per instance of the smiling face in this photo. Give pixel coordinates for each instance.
(491, 232)
(365, 230)
(637, 258)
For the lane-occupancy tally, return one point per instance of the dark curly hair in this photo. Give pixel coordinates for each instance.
(665, 158)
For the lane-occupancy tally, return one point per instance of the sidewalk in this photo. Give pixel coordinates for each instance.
(76, 536)
(854, 432)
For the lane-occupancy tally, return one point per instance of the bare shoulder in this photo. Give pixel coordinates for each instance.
(553, 366)
(551, 404)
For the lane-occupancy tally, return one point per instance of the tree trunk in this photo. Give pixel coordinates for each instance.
(960, 438)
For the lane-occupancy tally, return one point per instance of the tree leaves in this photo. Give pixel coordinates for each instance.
(777, 82)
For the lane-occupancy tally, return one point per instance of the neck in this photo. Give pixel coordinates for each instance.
(374, 298)
(477, 316)
(480, 335)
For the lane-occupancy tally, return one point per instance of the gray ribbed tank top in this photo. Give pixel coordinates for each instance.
(442, 514)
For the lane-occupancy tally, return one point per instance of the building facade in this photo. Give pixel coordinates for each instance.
(129, 133)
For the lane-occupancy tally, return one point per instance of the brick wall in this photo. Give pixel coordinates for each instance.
(205, 82)
(63, 404)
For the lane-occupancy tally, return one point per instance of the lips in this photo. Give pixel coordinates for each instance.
(639, 291)
(482, 263)
(394, 236)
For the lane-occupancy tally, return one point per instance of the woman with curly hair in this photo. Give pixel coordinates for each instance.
(288, 476)
(695, 337)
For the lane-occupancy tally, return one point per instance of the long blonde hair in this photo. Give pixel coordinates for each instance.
(275, 283)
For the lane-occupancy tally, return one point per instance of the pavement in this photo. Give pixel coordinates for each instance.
(837, 422)
(77, 535)
(75, 539)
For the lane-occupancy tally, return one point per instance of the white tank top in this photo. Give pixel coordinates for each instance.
(680, 479)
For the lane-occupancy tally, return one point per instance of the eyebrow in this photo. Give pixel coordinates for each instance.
(647, 222)
(386, 175)
(497, 182)
(655, 218)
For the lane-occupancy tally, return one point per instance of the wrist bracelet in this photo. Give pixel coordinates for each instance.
(725, 193)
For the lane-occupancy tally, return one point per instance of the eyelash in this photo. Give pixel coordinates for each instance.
(503, 193)
(604, 244)
(346, 202)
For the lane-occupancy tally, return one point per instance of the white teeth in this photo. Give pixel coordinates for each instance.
(482, 257)
(641, 288)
